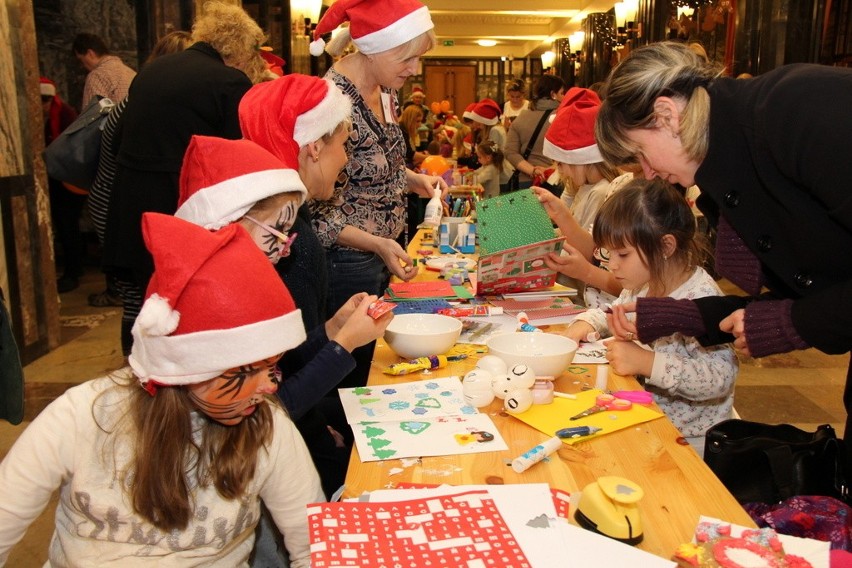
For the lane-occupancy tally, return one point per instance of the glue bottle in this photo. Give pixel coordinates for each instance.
(434, 209)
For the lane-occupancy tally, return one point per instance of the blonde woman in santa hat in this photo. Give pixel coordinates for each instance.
(296, 128)
(570, 142)
(360, 225)
(167, 462)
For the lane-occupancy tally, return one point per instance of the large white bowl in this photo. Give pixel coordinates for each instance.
(547, 354)
(419, 335)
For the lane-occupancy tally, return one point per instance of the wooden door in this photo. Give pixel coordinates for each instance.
(454, 83)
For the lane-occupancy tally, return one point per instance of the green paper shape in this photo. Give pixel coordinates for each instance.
(372, 431)
(414, 427)
(428, 403)
(377, 443)
(368, 400)
(362, 390)
(384, 454)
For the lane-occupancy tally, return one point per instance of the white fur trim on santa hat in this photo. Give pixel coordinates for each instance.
(579, 156)
(404, 29)
(192, 358)
(215, 206)
(47, 90)
(317, 47)
(333, 109)
(488, 121)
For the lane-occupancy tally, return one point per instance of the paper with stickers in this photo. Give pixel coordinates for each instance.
(416, 419)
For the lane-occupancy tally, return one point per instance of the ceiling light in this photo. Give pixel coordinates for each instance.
(486, 42)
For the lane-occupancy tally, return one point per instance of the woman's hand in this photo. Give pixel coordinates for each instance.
(735, 325)
(360, 328)
(424, 185)
(620, 325)
(396, 259)
(572, 264)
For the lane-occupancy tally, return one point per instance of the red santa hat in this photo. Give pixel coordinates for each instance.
(468, 111)
(220, 180)
(47, 88)
(571, 137)
(214, 303)
(285, 114)
(486, 112)
(374, 25)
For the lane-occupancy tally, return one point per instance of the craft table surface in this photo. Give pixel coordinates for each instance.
(678, 486)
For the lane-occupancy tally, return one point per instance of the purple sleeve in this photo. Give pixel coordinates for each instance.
(769, 328)
(659, 317)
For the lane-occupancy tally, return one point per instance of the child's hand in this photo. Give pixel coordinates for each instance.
(360, 328)
(572, 264)
(735, 325)
(627, 358)
(555, 207)
(579, 330)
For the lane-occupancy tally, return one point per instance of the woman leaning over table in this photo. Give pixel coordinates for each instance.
(771, 158)
(360, 225)
(547, 92)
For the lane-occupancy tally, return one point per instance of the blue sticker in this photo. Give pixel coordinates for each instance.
(389, 391)
(419, 410)
(398, 405)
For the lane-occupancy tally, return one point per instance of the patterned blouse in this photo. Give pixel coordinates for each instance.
(369, 192)
(692, 384)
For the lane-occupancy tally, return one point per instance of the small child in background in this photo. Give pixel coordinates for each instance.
(495, 170)
(650, 234)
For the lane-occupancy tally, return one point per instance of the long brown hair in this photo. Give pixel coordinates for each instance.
(168, 461)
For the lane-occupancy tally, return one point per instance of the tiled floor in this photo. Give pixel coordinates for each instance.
(803, 388)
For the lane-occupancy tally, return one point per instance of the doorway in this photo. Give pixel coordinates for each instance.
(454, 83)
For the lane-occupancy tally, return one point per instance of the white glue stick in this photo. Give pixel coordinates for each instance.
(528, 459)
(602, 377)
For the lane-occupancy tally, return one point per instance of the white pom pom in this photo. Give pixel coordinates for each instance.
(156, 316)
(317, 47)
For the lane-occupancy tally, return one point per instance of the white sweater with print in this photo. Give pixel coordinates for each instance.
(65, 447)
(693, 385)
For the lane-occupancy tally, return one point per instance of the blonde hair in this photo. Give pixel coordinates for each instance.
(234, 35)
(664, 69)
(172, 42)
(408, 121)
(459, 148)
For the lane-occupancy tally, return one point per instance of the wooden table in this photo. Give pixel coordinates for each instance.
(678, 485)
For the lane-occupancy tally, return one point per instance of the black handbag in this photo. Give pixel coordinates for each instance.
(766, 463)
(73, 156)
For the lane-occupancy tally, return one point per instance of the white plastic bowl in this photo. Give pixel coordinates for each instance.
(419, 335)
(546, 353)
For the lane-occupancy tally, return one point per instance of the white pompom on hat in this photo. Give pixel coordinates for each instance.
(220, 180)
(214, 303)
(285, 114)
(374, 25)
(571, 137)
(487, 112)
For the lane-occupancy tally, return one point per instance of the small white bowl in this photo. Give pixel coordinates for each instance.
(419, 335)
(546, 353)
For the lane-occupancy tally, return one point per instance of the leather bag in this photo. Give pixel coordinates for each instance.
(73, 156)
(767, 463)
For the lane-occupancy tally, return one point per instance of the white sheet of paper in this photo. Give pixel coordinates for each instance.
(439, 436)
(593, 550)
(527, 509)
(814, 551)
(414, 400)
(593, 353)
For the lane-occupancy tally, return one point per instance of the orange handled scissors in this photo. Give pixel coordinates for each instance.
(604, 402)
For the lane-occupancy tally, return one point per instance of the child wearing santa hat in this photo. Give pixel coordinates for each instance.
(570, 142)
(186, 442)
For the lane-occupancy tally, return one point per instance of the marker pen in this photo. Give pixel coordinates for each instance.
(531, 457)
(577, 431)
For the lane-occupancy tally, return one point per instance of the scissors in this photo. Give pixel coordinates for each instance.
(604, 402)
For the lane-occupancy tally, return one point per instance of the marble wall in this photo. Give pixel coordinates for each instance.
(58, 21)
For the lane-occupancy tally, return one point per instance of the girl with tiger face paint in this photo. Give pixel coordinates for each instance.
(229, 398)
